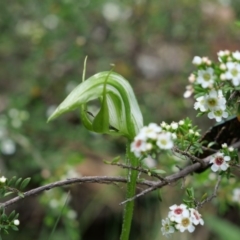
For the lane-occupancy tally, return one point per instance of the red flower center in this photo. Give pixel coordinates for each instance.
(219, 160)
(138, 143)
(196, 215)
(178, 211)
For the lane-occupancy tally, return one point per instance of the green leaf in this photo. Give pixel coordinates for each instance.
(24, 183)
(116, 159)
(223, 229)
(18, 182)
(204, 196)
(20, 194)
(157, 171)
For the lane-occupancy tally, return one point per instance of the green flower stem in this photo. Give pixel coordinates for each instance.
(131, 188)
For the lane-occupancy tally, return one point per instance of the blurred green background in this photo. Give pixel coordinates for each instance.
(152, 43)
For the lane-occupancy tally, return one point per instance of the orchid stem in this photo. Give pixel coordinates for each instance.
(131, 188)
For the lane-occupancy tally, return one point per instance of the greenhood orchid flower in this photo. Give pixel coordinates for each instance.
(119, 113)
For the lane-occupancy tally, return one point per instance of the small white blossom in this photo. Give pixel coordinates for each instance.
(149, 162)
(230, 149)
(196, 217)
(215, 100)
(218, 114)
(151, 131)
(236, 195)
(223, 66)
(189, 91)
(166, 227)
(221, 53)
(223, 77)
(192, 78)
(219, 162)
(164, 140)
(227, 52)
(224, 145)
(174, 125)
(236, 55)
(200, 104)
(174, 136)
(181, 122)
(197, 134)
(178, 212)
(185, 223)
(139, 146)
(16, 222)
(3, 179)
(191, 131)
(8, 146)
(197, 60)
(233, 72)
(163, 124)
(205, 77)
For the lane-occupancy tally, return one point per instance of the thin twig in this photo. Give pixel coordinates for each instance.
(195, 159)
(139, 169)
(199, 205)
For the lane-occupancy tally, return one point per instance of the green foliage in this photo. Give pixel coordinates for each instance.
(222, 228)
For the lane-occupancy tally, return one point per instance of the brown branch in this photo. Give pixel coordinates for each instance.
(94, 179)
(152, 185)
(170, 179)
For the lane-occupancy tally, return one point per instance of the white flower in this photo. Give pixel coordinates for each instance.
(200, 104)
(166, 227)
(3, 179)
(191, 78)
(151, 131)
(139, 146)
(191, 131)
(16, 222)
(230, 149)
(233, 72)
(219, 162)
(224, 145)
(223, 66)
(181, 122)
(236, 55)
(223, 77)
(196, 217)
(178, 212)
(163, 124)
(8, 147)
(218, 114)
(221, 53)
(197, 60)
(205, 77)
(236, 195)
(149, 162)
(174, 125)
(214, 100)
(164, 140)
(185, 223)
(189, 91)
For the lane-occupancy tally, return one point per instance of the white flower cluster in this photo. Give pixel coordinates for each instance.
(151, 137)
(181, 218)
(212, 81)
